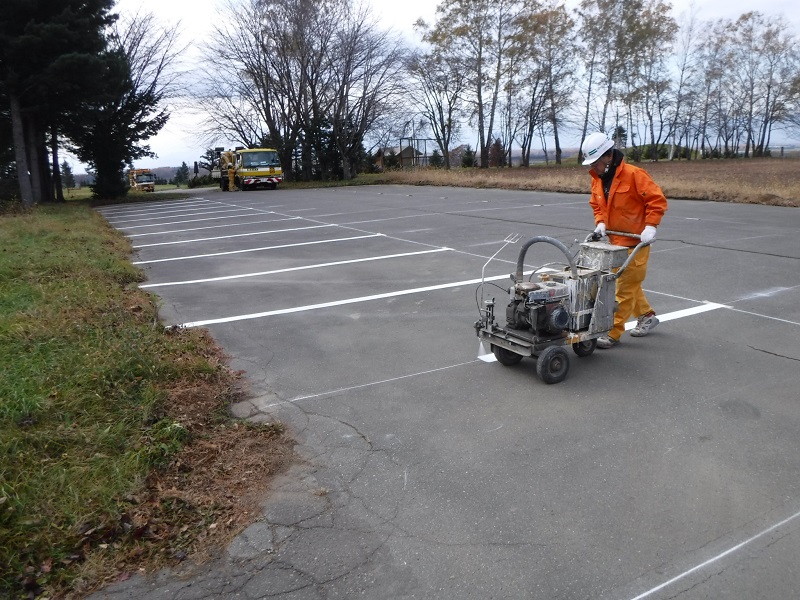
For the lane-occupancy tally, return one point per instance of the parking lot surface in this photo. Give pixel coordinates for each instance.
(665, 467)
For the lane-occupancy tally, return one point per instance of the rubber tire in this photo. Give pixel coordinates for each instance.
(552, 365)
(506, 357)
(272, 186)
(223, 184)
(585, 348)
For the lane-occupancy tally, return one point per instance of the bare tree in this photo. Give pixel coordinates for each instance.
(366, 64)
(481, 34)
(438, 89)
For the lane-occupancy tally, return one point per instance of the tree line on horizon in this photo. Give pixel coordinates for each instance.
(516, 73)
(325, 82)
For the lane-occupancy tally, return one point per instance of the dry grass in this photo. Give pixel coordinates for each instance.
(755, 181)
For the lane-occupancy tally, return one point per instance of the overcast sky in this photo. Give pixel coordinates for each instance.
(176, 144)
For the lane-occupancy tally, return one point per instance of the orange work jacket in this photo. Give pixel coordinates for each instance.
(634, 201)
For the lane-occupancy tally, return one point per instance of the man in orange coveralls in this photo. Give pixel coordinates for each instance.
(624, 198)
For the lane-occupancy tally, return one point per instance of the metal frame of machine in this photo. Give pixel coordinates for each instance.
(573, 305)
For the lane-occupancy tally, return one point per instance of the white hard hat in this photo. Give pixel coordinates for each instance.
(594, 147)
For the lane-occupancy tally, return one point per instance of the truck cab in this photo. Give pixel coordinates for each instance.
(142, 180)
(253, 167)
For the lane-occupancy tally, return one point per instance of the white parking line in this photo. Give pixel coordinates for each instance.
(191, 221)
(150, 206)
(717, 557)
(178, 208)
(285, 311)
(287, 270)
(160, 260)
(236, 235)
(184, 213)
(133, 235)
(679, 314)
(364, 385)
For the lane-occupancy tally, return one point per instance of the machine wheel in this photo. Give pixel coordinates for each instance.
(223, 184)
(553, 364)
(273, 186)
(584, 348)
(506, 357)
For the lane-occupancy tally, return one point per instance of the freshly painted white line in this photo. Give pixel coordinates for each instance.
(679, 314)
(285, 311)
(160, 260)
(190, 221)
(317, 266)
(717, 557)
(364, 385)
(133, 235)
(236, 235)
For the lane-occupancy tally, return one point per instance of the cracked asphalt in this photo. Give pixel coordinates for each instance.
(663, 468)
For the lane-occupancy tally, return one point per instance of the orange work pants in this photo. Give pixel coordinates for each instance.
(631, 300)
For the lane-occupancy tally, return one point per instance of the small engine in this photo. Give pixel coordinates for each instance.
(541, 307)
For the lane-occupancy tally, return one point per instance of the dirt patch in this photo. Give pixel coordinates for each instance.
(211, 490)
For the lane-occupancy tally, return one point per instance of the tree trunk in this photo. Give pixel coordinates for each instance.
(20, 153)
(56, 167)
(46, 180)
(34, 165)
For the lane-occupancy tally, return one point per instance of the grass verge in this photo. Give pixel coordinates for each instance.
(116, 451)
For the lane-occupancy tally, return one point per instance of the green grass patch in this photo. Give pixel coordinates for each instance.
(84, 372)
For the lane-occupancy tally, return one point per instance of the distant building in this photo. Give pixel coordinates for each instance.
(396, 157)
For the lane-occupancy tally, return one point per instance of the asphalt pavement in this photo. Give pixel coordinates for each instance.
(666, 467)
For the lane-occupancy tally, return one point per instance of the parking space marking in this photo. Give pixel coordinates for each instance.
(213, 227)
(215, 254)
(680, 314)
(182, 208)
(754, 314)
(235, 235)
(365, 385)
(145, 207)
(192, 220)
(285, 311)
(186, 213)
(287, 270)
(719, 556)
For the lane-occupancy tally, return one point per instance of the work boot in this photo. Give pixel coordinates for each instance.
(606, 341)
(645, 324)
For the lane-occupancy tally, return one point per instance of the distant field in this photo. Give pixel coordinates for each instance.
(756, 181)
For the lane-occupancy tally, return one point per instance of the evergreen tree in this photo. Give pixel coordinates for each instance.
(468, 158)
(182, 174)
(437, 160)
(48, 53)
(130, 112)
(67, 178)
